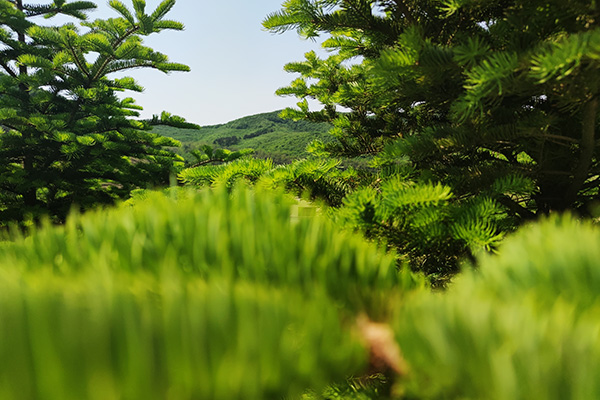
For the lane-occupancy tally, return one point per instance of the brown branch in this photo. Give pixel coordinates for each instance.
(385, 355)
(557, 137)
(212, 160)
(516, 208)
(78, 62)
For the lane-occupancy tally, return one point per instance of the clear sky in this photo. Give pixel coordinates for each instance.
(236, 65)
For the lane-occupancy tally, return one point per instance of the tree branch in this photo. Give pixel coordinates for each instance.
(8, 69)
(205, 162)
(115, 46)
(557, 137)
(516, 208)
(133, 67)
(404, 10)
(78, 62)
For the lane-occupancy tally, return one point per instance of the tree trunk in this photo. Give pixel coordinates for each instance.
(29, 196)
(586, 155)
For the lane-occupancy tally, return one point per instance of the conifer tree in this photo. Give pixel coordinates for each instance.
(65, 137)
(495, 97)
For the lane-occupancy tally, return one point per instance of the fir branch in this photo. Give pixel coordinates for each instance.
(516, 208)
(162, 10)
(8, 69)
(80, 64)
(123, 10)
(37, 10)
(557, 137)
(115, 45)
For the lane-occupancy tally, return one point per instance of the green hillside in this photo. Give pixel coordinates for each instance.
(268, 134)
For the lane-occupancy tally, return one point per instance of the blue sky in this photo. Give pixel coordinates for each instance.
(236, 65)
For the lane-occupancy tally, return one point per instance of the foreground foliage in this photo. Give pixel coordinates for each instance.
(222, 294)
(197, 295)
(525, 325)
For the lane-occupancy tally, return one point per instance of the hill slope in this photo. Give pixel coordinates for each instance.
(268, 134)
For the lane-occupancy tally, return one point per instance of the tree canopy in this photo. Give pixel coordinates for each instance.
(496, 97)
(66, 137)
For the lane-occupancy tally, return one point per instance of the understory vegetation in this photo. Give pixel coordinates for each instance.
(429, 233)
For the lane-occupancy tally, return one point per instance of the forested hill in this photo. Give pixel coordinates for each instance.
(269, 135)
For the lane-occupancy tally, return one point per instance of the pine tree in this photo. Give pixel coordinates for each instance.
(66, 138)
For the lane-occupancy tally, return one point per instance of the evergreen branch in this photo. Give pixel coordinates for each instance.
(129, 64)
(205, 162)
(123, 10)
(563, 57)
(8, 125)
(166, 67)
(516, 208)
(592, 184)
(304, 16)
(557, 137)
(126, 35)
(115, 45)
(168, 24)
(8, 69)
(80, 64)
(37, 10)
(72, 9)
(98, 42)
(139, 6)
(75, 9)
(34, 61)
(162, 10)
(55, 93)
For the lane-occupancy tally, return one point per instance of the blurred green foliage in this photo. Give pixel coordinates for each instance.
(213, 295)
(524, 325)
(230, 289)
(231, 293)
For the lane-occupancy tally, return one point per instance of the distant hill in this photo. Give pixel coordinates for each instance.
(268, 134)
